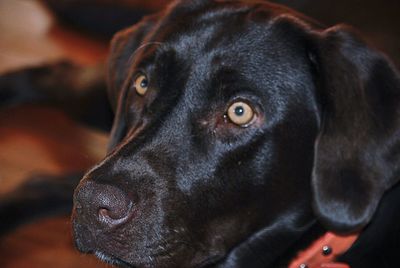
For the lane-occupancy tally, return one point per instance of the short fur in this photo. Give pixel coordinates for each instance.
(183, 187)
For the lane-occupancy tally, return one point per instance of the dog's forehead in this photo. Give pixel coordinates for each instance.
(245, 36)
(235, 25)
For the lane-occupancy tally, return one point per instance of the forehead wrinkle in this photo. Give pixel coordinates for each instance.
(132, 58)
(197, 27)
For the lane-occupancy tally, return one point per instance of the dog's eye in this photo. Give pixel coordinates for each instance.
(141, 84)
(240, 113)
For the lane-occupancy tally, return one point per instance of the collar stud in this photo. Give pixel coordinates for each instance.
(326, 250)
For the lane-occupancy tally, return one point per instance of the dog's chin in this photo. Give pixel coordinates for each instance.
(210, 261)
(112, 260)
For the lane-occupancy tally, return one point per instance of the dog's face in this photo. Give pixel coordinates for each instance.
(218, 109)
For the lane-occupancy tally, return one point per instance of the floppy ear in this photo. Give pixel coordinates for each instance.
(357, 153)
(122, 49)
(123, 45)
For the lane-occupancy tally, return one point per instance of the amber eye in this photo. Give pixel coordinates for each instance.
(240, 113)
(141, 84)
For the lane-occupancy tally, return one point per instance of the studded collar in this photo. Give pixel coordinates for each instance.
(323, 252)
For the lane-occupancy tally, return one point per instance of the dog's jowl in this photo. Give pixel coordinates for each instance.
(244, 132)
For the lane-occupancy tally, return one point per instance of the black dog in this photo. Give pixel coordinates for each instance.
(239, 129)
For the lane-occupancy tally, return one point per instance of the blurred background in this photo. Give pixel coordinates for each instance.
(45, 138)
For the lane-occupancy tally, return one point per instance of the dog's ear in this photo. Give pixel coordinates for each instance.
(122, 50)
(357, 153)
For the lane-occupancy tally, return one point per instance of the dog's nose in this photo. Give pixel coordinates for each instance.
(104, 203)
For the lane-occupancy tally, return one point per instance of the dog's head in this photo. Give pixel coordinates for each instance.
(237, 127)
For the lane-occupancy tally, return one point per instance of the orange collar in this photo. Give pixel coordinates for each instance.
(323, 252)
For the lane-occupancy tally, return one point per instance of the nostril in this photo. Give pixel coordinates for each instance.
(104, 213)
(115, 215)
(112, 205)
